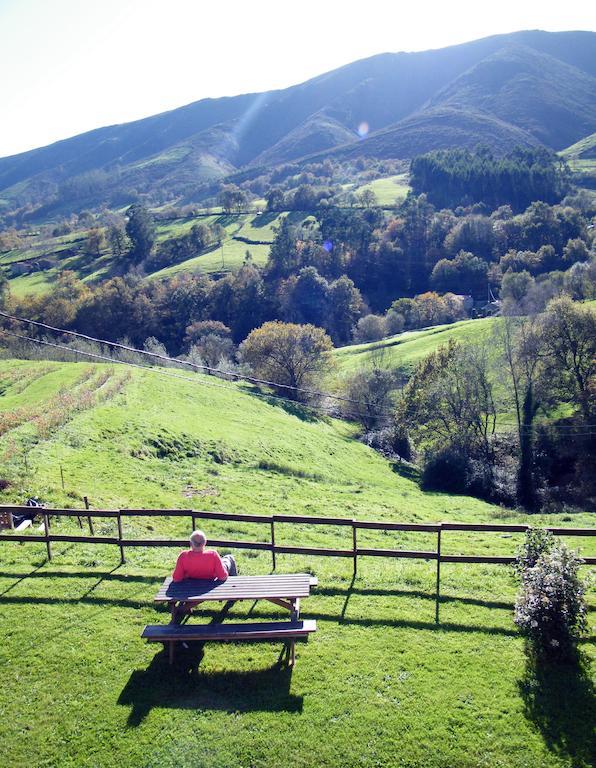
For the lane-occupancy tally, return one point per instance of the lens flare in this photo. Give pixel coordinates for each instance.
(328, 246)
(363, 130)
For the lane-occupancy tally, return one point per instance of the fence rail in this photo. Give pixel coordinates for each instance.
(355, 551)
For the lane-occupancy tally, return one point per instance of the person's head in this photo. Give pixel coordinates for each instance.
(198, 541)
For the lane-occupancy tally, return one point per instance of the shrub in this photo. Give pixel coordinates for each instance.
(446, 470)
(537, 543)
(392, 442)
(369, 328)
(550, 609)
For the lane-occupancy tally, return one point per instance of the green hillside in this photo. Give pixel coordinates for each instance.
(84, 690)
(581, 158)
(388, 190)
(404, 350)
(42, 261)
(162, 441)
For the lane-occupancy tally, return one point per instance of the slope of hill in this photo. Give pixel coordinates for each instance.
(128, 437)
(581, 158)
(523, 87)
(405, 350)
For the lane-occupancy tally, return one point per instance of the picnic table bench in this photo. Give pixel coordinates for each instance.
(284, 590)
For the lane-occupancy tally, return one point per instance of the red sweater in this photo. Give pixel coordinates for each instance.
(199, 565)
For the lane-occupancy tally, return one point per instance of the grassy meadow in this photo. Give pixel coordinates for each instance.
(388, 190)
(378, 684)
(405, 350)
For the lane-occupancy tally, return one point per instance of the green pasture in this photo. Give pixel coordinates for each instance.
(380, 683)
(405, 350)
(388, 190)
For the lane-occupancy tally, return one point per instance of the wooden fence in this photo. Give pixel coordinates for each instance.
(354, 551)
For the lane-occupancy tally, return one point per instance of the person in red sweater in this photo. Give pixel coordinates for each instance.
(200, 563)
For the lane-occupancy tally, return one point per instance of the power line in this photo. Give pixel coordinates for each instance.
(580, 429)
(161, 372)
(196, 366)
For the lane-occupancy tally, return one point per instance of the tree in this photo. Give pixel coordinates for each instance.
(283, 254)
(141, 231)
(370, 328)
(346, 305)
(118, 241)
(306, 298)
(4, 289)
(201, 328)
(449, 401)
(522, 344)
(96, 242)
(464, 274)
(212, 349)
(570, 345)
(232, 198)
(293, 356)
(275, 199)
(370, 393)
(367, 198)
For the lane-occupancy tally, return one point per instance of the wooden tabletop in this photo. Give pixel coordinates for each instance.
(291, 585)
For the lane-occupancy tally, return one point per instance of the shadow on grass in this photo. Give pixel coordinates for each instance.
(264, 219)
(300, 411)
(404, 469)
(340, 618)
(559, 699)
(379, 592)
(184, 686)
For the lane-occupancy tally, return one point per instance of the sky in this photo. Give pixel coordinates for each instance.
(69, 66)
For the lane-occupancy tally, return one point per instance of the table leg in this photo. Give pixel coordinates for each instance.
(171, 652)
(295, 614)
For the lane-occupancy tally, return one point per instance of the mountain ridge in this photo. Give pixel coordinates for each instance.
(528, 87)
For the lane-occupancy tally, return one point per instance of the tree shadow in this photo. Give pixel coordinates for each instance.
(559, 699)
(184, 686)
(293, 408)
(264, 219)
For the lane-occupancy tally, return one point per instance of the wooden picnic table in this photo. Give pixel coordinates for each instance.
(285, 590)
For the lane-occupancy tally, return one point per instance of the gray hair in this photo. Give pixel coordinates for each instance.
(197, 539)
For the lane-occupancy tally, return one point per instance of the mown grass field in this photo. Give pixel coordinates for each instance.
(378, 684)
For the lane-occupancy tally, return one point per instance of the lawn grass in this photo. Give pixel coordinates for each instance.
(378, 684)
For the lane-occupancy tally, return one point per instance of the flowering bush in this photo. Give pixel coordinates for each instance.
(550, 609)
(537, 542)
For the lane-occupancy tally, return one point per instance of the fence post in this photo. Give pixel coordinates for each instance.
(273, 542)
(89, 520)
(46, 525)
(193, 522)
(122, 558)
(355, 549)
(438, 590)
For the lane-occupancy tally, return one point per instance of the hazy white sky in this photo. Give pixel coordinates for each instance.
(72, 65)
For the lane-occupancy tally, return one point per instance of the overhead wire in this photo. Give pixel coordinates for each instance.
(579, 430)
(188, 363)
(161, 372)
